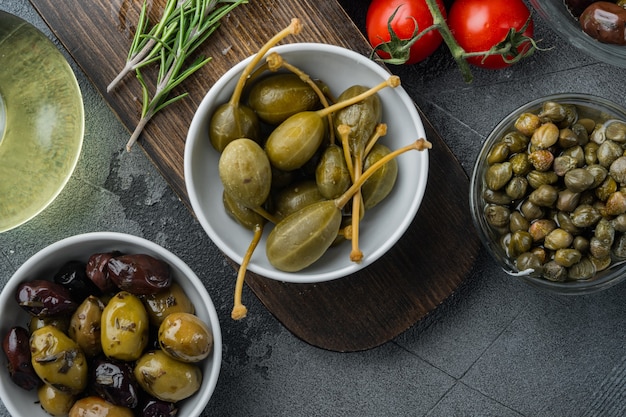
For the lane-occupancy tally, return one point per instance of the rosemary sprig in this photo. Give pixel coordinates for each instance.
(183, 27)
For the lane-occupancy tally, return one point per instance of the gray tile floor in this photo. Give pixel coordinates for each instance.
(496, 347)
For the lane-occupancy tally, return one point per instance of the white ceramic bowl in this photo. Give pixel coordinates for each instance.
(22, 403)
(382, 226)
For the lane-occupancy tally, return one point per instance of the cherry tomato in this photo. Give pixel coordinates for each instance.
(479, 25)
(408, 14)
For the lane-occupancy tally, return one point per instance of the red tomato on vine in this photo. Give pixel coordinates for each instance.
(505, 26)
(396, 30)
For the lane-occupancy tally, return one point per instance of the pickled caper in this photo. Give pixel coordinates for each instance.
(516, 188)
(541, 228)
(616, 131)
(608, 152)
(545, 136)
(618, 170)
(583, 270)
(558, 239)
(544, 196)
(498, 175)
(527, 123)
(578, 180)
(552, 271)
(517, 221)
(567, 257)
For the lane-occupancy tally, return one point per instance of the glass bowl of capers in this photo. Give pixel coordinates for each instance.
(596, 28)
(547, 194)
(277, 181)
(110, 322)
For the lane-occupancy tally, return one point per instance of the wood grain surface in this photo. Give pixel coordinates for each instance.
(358, 312)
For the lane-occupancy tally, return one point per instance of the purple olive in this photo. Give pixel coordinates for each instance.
(153, 407)
(98, 272)
(73, 276)
(605, 22)
(16, 347)
(43, 298)
(139, 274)
(114, 381)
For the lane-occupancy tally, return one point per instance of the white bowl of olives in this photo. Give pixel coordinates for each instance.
(95, 321)
(547, 194)
(288, 174)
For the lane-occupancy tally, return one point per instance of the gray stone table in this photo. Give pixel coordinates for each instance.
(496, 347)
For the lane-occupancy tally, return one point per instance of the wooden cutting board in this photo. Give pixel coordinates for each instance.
(361, 311)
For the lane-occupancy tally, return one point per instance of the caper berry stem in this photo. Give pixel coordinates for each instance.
(239, 310)
(419, 145)
(381, 130)
(393, 82)
(265, 214)
(344, 135)
(295, 26)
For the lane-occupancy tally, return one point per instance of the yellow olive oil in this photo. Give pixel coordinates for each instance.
(41, 121)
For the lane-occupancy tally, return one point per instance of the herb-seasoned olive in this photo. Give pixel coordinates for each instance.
(44, 298)
(185, 337)
(16, 347)
(162, 304)
(139, 274)
(54, 401)
(58, 360)
(166, 378)
(125, 323)
(97, 271)
(73, 276)
(114, 381)
(85, 326)
(94, 406)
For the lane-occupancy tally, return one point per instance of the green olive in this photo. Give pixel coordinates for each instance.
(93, 406)
(124, 333)
(245, 172)
(85, 326)
(58, 360)
(54, 401)
(166, 378)
(185, 337)
(171, 300)
(60, 322)
(279, 96)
